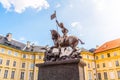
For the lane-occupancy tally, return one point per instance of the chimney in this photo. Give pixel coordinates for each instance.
(9, 36)
(28, 44)
(97, 46)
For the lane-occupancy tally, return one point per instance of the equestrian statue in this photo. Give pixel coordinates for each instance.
(62, 41)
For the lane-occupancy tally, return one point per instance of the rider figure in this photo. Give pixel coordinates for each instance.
(64, 30)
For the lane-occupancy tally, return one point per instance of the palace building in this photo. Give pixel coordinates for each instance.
(17, 60)
(104, 62)
(89, 69)
(107, 59)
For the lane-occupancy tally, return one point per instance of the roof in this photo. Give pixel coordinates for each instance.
(92, 50)
(12, 43)
(34, 49)
(19, 45)
(83, 49)
(109, 45)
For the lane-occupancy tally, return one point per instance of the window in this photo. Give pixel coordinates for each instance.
(14, 63)
(110, 64)
(112, 75)
(22, 75)
(118, 73)
(96, 57)
(23, 65)
(99, 76)
(15, 54)
(31, 66)
(5, 73)
(88, 65)
(0, 60)
(39, 57)
(12, 74)
(103, 64)
(108, 54)
(0, 71)
(9, 52)
(102, 56)
(105, 75)
(93, 64)
(98, 66)
(8, 62)
(32, 56)
(89, 75)
(2, 50)
(24, 56)
(115, 54)
(31, 76)
(117, 63)
(87, 57)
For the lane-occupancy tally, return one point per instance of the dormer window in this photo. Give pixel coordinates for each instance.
(9, 37)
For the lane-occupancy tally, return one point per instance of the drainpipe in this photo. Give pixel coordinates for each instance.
(34, 67)
(95, 67)
(33, 61)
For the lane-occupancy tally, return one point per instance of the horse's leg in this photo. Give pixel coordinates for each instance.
(51, 49)
(58, 56)
(74, 49)
(59, 50)
(65, 48)
(73, 46)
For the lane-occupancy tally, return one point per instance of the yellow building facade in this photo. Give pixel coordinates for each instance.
(18, 63)
(107, 64)
(89, 69)
(107, 59)
(104, 62)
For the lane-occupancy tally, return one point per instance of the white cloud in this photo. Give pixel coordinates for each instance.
(75, 24)
(97, 20)
(100, 4)
(22, 39)
(19, 6)
(5, 4)
(106, 20)
(71, 5)
(58, 5)
(76, 27)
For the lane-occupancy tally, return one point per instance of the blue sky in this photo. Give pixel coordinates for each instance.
(93, 21)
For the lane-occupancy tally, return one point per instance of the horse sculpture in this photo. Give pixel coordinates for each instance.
(70, 41)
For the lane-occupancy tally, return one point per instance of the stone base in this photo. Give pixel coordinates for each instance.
(61, 70)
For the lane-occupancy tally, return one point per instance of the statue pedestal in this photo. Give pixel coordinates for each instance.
(61, 70)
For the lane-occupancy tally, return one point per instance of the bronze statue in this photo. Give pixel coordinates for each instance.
(60, 42)
(71, 41)
(64, 30)
(49, 56)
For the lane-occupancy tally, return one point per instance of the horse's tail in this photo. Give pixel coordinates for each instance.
(81, 41)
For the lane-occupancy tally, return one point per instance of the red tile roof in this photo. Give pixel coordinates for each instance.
(109, 45)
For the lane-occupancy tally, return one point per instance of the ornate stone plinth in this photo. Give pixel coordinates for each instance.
(61, 70)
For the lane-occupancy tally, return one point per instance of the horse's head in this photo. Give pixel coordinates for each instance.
(55, 34)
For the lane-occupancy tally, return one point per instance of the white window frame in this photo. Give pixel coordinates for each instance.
(9, 52)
